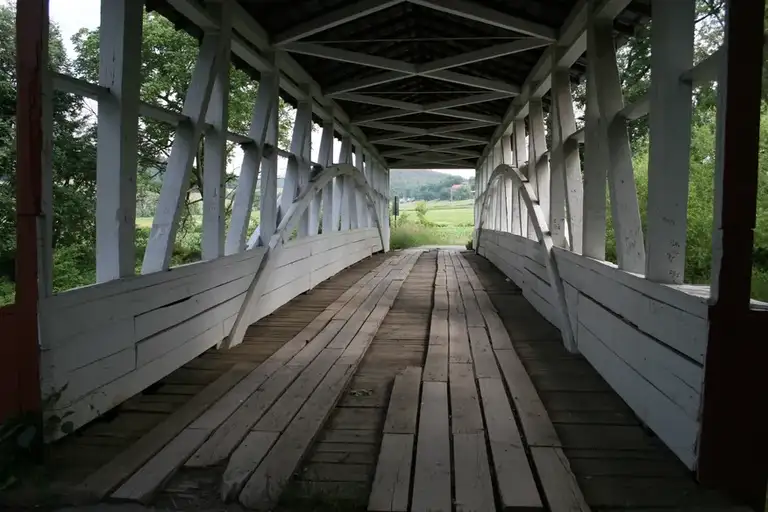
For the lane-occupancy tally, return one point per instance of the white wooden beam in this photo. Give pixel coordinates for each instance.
(404, 108)
(183, 151)
(118, 123)
(670, 139)
(476, 12)
(564, 124)
(215, 154)
(630, 247)
(539, 173)
(473, 81)
(334, 19)
(268, 199)
(361, 83)
(325, 157)
(347, 208)
(521, 156)
(491, 52)
(595, 167)
(571, 43)
(266, 103)
(362, 59)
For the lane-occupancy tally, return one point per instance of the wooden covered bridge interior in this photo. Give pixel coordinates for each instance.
(304, 365)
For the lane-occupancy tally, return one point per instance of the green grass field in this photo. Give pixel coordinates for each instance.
(444, 213)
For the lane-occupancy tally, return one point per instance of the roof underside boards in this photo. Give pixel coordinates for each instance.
(425, 80)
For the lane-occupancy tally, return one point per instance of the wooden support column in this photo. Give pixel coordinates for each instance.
(20, 361)
(348, 208)
(302, 152)
(733, 448)
(509, 196)
(253, 154)
(564, 125)
(538, 161)
(268, 200)
(595, 165)
(325, 156)
(176, 180)
(625, 213)
(215, 151)
(118, 126)
(670, 123)
(521, 156)
(557, 222)
(362, 211)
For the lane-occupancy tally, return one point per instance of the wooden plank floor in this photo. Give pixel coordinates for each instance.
(618, 463)
(72, 459)
(341, 465)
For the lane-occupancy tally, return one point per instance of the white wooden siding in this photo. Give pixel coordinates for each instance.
(648, 340)
(104, 343)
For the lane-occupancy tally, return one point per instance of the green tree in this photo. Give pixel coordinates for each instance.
(74, 154)
(168, 58)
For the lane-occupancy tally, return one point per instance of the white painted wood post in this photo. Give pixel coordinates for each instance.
(347, 186)
(292, 179)
(557, 174)
(359, 220)
(303, 157)
(670, 139)
(717, 207)
(565, 125)
(118, 125)
(215, 156)
(501, 188)
(176, 180)
(268, 198)
(265, 105)
(325, 157)
(595, 166)
(538, 162)
(521, 157)
(625, 212)
(508, 158)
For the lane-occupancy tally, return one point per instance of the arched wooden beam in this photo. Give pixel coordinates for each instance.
(543, 236)
(288, 222)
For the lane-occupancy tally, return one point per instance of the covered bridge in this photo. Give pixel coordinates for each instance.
(531, 374)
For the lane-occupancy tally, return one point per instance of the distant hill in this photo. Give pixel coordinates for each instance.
(406, 182)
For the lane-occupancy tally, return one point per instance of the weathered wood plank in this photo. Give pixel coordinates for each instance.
(101, 482)
(289, 403)
(244, 459)
(482, 354)
(432, 474)
(404, 403)
(438, 327)
(557, 479)
(459, 351)
(143, 484)
(514, 477)
(537, 426)
(227, 436)
(267, 482)
(466, 417)
(474, 491)
(436, 365)
(392, 481)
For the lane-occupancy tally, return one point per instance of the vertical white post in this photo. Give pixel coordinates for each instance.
(303, 157)
(362, 211)
(268, 199)
(717, 207)
(215, 159)
(509, 200)
(625, 211)
(347, 187)
(521, 157)
(670, 142)
(595, 165)
(325, 156)
(292, 179)
(266, 104)
(118, 124)
(538, 162)
(176, 181)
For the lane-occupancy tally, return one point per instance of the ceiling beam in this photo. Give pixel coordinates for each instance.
(362, 59)
(332, 19)
(385, 139)
(492, 52)
(437, 107)
(353, 85)
(476, 12)
(405, 69)
(432, 149)
(571, 44)
(452, 161)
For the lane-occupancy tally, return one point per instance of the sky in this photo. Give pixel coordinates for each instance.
(72, 15)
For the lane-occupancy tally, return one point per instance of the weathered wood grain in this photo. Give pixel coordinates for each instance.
(474, 490)
(432, 474)
(391, 484)
(404, 403)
